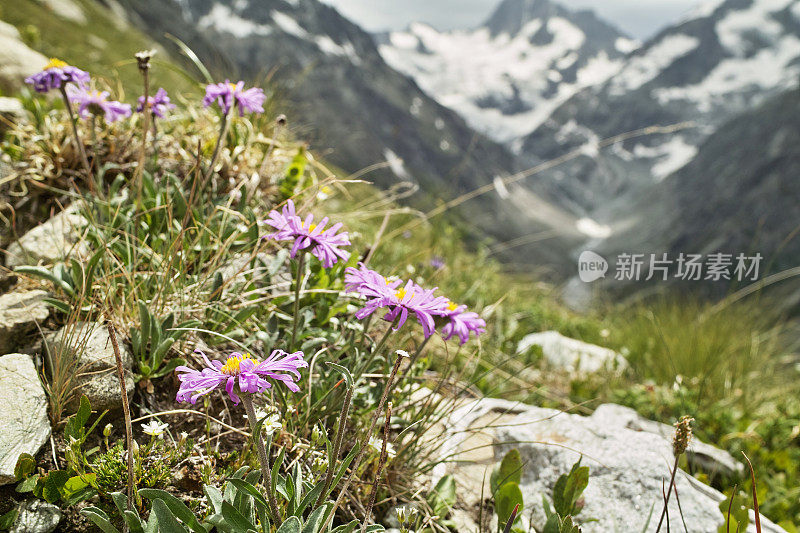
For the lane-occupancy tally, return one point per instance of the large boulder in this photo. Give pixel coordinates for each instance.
(89, 344)
(17, 60)
(572, 355)
(24, 425)
(49, 242)
(19, 314)
(627, 466)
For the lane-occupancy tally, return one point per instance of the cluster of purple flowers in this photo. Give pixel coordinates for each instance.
(325, 244)
(240, 373)
(227, 95)
(57, 74)
(402, 299)
(158, 104)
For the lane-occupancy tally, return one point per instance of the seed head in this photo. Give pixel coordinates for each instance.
(683, 434)
(143, 59)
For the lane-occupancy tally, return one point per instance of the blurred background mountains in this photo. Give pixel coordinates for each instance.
(574, 135)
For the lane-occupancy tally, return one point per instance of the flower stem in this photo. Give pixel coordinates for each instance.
(77, 138)
(365, 439)
(262, 456)
(337, 446)
(381, 464)
(223, 131)
(126, 410)
(668, 494)
(145, 129)
(301, 263)
(415, 357)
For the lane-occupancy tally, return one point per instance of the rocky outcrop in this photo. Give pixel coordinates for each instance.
(49, 242)
(19, 314)
(89, 346)
(17, 60)
(572, 355)
(36, 516)
(24, 425)
(627, 467)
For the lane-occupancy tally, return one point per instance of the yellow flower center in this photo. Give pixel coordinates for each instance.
(232, 87)
(401, 293)
(311, 227)
(54, 63)
(452, 306)
(231, 366)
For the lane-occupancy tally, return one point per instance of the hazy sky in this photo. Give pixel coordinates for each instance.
(640, 18)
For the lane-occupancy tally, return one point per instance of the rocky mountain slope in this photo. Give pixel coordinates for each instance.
(357, 110)
(506, 76)
(740, 194)
(727, 57)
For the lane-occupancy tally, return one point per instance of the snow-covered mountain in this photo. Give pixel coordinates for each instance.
(727, 57)
(356, 110)
(506, 76)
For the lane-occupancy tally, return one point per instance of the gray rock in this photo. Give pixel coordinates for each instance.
(572, 355)
(705, 456)
(24, 425)
(19, 314)
(17, 60)
(11, 110)
(36, 516)
(627, 466)
(90, 345)
(50, 241)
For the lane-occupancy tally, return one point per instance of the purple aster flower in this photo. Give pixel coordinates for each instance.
(368, 283)
(461, 322)
(240, 373)
(325, 244)
(158, 104)
(405, 300)
(437, 262)
(228, 94)
(97, 103)
(54, 74)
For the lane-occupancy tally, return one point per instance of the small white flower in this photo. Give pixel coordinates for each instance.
(402, 353)
(377, 445)
(154, 428)
(271, 420)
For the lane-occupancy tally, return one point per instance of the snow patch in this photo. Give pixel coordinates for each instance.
(592, 229)
(288, 24)
(626, 46)
(671, 155)
(647, 66)
(396, 164)
(222, 19)
(733, 29)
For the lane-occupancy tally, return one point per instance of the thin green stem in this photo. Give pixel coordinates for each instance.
(301, 263)
(77, 138)
(266, 478)
(415, 357)
(668, 494)
(223, 131)
(145, 129)
(365, 367)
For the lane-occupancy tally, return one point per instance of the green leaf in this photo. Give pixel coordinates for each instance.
(443, 496)
(41, 272)
(569, 488)
(53, 485)
(508, 497)
(214, 497)
(509, 470)
(235, 518)
(25, 466)
(170, 367)
(317, 518)
(7, 520)
(292, 525)
(64, 307)
(28, 484)
(79, 488)
(167, 523)
(248, 488)
(348, 377)
(177, 507)
(346, 528)
(100, 519)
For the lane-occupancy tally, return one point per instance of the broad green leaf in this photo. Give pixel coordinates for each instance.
(25, 466)
(509, 470)
(235, 518)
(508, 497)
(100, 519)
(317, 518)
(167, 523)
(176, 507)
(443, 496)
(292, 525)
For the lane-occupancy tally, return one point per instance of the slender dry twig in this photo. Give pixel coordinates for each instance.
(755, 495)
(126, 411)
(337, 445)
(301, 264)
(381, 463)
(363, 444)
